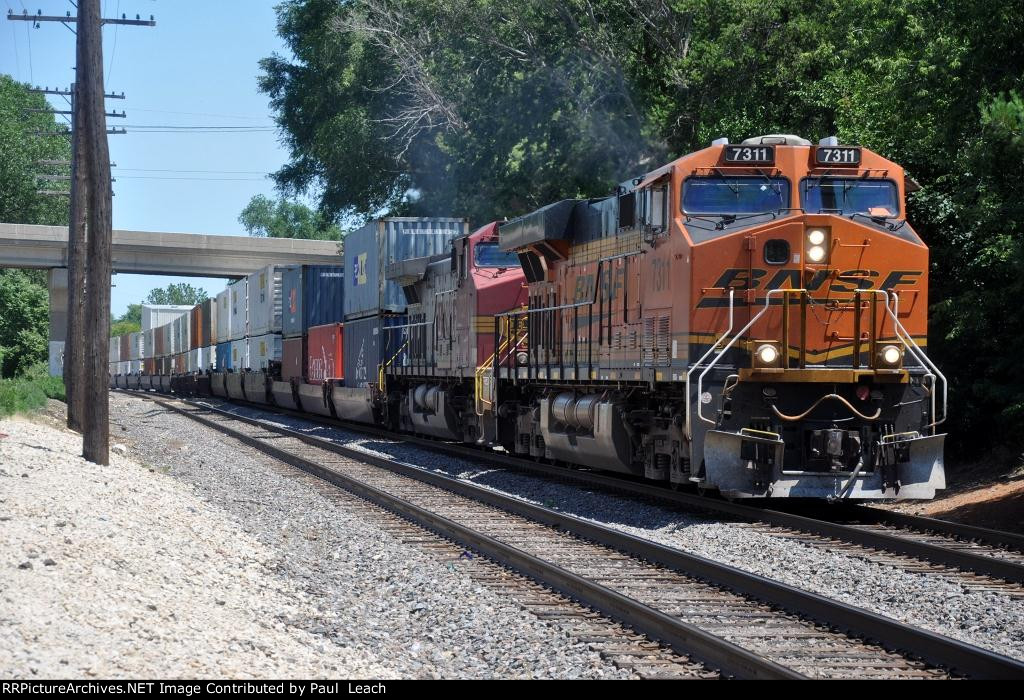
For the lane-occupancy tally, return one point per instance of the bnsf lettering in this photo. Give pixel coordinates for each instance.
(846, 282)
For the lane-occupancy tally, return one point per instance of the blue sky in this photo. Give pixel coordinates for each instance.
(196, 67)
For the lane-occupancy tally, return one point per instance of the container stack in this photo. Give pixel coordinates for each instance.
(375, 323)
(313, 304)
(265, 311)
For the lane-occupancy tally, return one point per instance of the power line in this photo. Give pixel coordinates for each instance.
(183, 127)
(211, 172)
(198, 114)
(194, 179)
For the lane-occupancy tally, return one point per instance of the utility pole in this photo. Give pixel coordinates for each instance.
(85, 366)
(96, 152)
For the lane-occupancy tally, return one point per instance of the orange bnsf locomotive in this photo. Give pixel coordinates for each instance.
(750, 318)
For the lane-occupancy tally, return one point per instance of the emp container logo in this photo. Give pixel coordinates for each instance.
(359, 270)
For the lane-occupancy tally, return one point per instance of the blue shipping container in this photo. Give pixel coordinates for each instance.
(224, 357)
(369, 343)
(370, 249)
(313, 296)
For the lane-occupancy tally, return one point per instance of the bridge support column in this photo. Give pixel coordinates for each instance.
(58, 279)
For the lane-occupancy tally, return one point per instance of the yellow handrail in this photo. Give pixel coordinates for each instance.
(381, 377)
(478, 382)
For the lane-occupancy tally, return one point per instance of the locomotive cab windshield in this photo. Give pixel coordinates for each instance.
(488, 254)
(734, 194)
(849, 195)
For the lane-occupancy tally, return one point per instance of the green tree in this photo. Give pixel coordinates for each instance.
(386, 107)
(266, 217)
(24, 312)
(24, 320)
(181, 294)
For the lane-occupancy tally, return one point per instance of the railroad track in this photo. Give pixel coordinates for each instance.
(980, 558)
(740, 623)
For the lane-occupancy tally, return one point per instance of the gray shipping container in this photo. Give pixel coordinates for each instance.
(370, 343)
(372, 248)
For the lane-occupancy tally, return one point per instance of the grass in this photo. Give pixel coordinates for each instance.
(29, 391)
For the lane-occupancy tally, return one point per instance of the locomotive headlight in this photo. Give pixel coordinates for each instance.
(816, 245)
(890, 356)
(767, 355)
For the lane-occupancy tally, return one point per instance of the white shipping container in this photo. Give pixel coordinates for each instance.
(182, 333)
(115, 350)
(265, 301)
(222, 333)
(209, 358)
(240, 354)
(135, 346)
(148, 344)
(239, 310)
(264, 349)
(156, 315)
(136, 366)
(168, 333)
(124, 367)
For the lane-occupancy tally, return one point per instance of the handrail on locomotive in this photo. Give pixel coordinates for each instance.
(901, 333)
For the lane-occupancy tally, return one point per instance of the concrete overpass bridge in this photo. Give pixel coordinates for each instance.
(151, 253)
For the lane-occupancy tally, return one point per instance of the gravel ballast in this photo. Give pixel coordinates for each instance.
(931, 601)
(192, 556)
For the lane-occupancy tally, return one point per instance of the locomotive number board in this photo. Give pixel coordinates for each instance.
(764, 155)
(837, 155)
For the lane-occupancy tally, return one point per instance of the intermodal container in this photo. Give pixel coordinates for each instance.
(114, 355)
(370, 343)
(223, 304)
(293, 358)
(182, 329)
(156, 315)
(126, 346)
(264, 349)
(148, 346)
(237, 302)
(195, 326)
(222, 355)
(180, 363)
(313, 295)
(135, 346)
(149, 365)
(325, 356)
(376, 245)
(207, 324)
(240, 354)
(265, 300)
(159, 342)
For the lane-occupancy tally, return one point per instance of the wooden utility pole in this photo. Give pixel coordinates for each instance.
(74, 344)
(91, 107)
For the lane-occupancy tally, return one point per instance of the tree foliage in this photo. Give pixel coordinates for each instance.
(180, 294)
(281, 218)
(490, 108)
(24, 309)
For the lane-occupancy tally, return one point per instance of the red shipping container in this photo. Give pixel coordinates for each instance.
(293, 358)
(324, 353)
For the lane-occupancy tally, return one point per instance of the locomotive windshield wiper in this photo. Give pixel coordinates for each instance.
(882, 220)
(724, 220)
